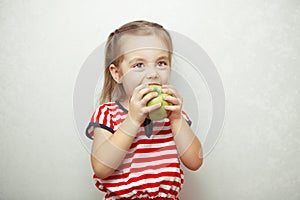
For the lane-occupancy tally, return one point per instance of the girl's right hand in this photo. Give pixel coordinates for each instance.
(138, 109)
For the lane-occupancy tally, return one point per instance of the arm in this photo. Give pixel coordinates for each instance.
(188, 145)
(109, 150)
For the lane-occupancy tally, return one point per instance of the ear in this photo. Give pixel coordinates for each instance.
(115, 72)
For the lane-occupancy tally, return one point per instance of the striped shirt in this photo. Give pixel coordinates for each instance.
(151, 169)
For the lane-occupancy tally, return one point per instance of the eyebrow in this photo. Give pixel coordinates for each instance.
(142, 59)
(135, 60)
(163, 57)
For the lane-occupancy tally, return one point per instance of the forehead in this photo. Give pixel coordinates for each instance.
(133, 43)
(148, 55)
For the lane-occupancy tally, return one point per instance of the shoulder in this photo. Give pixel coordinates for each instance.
(105, 116)
(104, 110)
(109, 106)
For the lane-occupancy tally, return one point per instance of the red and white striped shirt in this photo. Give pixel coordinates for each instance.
(151, 168)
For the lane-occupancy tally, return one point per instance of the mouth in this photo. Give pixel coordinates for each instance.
(153, 83)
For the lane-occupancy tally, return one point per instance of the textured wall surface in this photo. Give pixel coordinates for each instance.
(254, 44)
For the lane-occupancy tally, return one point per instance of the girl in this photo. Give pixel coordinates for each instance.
(127, 163)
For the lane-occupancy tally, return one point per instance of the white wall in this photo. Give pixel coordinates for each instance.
(254, 44)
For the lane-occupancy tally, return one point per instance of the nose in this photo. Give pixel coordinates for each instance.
(152, 72)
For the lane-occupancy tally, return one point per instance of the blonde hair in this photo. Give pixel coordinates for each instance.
(111, 89)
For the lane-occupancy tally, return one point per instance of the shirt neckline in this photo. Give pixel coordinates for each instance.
(121, 106)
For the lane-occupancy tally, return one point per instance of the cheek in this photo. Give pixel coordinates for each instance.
(130, 81)
(164, 76)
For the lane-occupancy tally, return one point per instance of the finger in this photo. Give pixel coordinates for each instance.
(139, 87)
(148, 97)
(140, 90)
(149, 109)
(173, 108)
(169, 89)
(173, 100)
(147, 90)
(167, 86)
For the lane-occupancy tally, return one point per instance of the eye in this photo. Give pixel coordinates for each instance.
(162, 64)
(138, 65)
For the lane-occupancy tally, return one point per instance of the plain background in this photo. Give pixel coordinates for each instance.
(254, 44)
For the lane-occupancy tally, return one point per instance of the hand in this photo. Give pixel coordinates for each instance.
(175, 99)
(138, 109)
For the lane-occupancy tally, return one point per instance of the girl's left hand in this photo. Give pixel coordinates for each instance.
(176, 101)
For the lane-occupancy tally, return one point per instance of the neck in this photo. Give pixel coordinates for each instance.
(125, 103)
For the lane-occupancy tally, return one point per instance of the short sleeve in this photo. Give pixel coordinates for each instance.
(186, 117)
(102, 117)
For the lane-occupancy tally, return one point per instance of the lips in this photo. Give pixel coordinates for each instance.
(153, 84)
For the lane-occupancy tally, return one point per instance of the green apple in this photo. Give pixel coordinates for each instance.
(159, 113)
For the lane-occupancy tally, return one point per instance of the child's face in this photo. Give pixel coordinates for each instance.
(146, 60)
